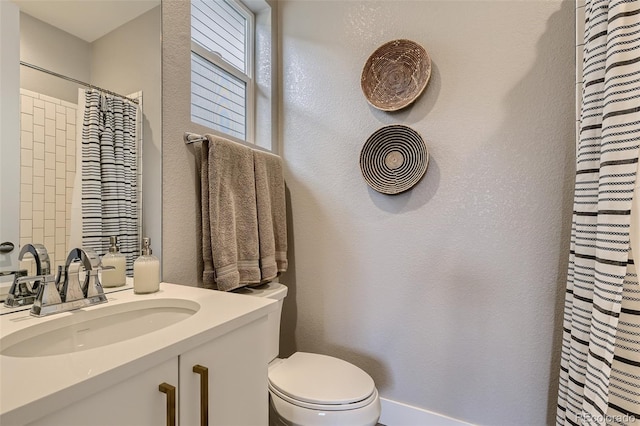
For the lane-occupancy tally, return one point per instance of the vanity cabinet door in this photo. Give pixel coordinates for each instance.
(135, 401)
(236, 364)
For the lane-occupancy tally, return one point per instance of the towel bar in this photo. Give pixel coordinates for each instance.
(192, 138)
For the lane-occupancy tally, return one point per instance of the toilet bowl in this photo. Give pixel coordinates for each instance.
(315, 390)
(309, 389)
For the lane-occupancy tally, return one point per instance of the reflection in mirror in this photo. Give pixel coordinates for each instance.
(80, 180)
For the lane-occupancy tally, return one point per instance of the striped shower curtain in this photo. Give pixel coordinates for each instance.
(109, 175)
(600, 364)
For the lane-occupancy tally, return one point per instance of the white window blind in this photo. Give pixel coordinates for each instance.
(218, 99)
(221, 65)
(221, 29)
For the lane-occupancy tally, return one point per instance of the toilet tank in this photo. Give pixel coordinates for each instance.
(278, 292)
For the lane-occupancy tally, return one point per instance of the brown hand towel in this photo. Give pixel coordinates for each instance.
(272, 219)
(229, 217)
(204, 231)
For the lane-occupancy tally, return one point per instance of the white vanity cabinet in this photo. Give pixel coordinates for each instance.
(133, 402)
(235, 379)
(118, 384)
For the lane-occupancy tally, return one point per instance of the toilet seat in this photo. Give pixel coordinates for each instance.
(321, 382)
(325, 407)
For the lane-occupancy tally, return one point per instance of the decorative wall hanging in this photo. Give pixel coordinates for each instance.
(394, 159)
(395, 74)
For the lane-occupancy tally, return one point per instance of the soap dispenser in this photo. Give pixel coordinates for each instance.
(146, 270)
(117, 276)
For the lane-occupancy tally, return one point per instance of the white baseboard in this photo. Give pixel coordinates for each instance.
(399, 414)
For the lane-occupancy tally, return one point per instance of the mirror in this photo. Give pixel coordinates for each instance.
(113, 45)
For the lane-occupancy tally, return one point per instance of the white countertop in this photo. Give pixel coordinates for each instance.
(32, 387)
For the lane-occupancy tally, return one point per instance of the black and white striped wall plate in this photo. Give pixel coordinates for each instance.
(394, 159)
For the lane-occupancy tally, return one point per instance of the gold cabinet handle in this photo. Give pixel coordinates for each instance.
(170, 391)
(204, 393)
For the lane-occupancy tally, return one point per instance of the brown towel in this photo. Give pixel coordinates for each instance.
(272, 219)
(229, 218)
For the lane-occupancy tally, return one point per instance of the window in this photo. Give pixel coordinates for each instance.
(222, 93)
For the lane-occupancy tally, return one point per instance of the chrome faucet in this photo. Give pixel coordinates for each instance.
(91, 289)
(66, 293)
(71, 289)
(21, 293)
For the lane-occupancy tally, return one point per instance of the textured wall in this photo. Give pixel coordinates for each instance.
(449, 294)
(179, 174)
(126, 60)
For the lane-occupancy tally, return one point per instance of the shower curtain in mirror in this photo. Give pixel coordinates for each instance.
(109, 174)
(600, 363)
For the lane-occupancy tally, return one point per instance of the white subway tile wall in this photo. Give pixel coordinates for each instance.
(48, 164)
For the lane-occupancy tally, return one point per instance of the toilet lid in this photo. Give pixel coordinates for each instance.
(320, 379)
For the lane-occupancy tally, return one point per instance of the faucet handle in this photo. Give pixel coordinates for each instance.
(19, 272)
(45, 278)
(93, 258)
(19, 294)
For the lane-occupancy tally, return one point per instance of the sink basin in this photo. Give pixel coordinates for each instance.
(89, 329)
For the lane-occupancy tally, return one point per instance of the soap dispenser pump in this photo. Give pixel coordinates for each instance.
(146, 270)
(117, 276)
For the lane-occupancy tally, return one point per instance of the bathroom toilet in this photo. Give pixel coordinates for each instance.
(311, 389)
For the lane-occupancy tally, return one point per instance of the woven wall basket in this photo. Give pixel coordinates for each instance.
(394, 159)
(395, 74)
